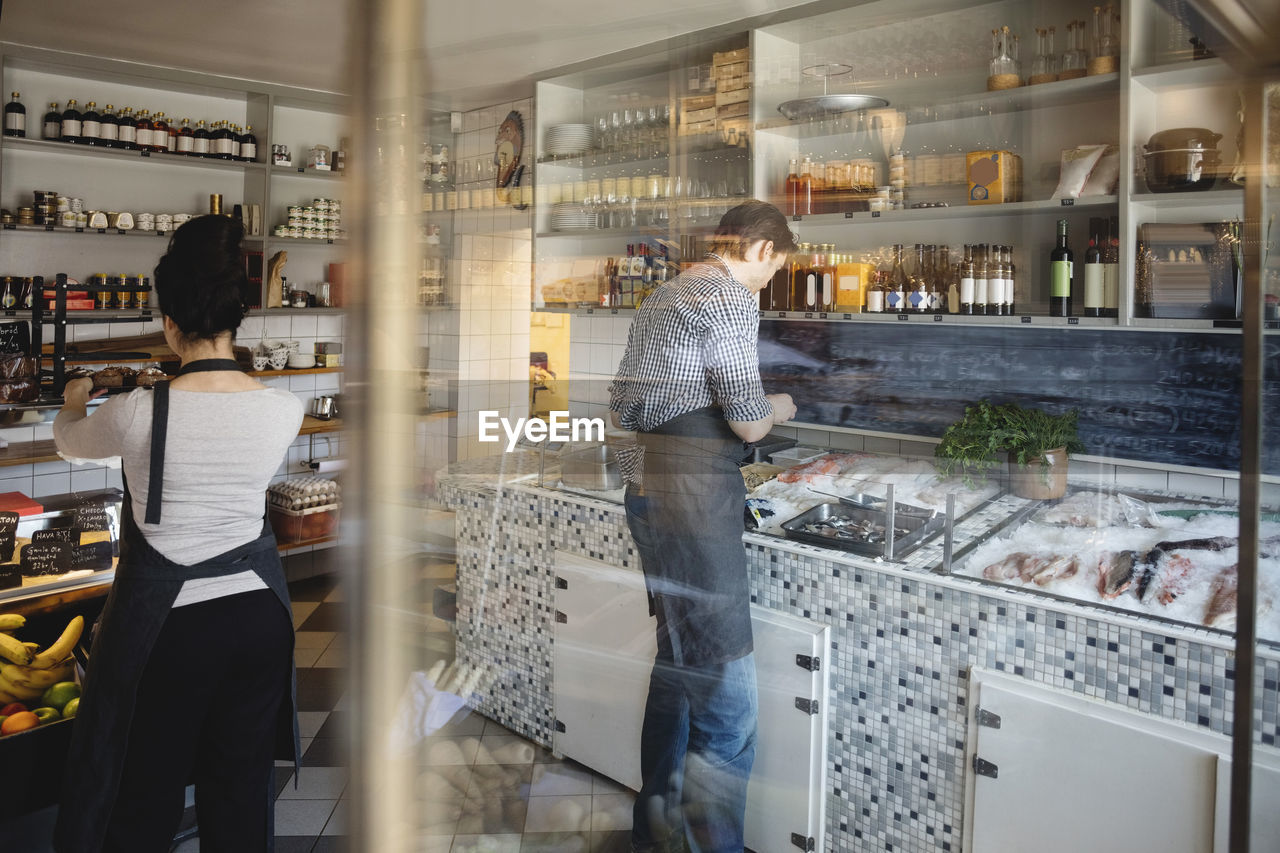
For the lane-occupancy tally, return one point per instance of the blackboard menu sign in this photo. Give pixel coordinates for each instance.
(92, 515)
(45, 558)
(94, 556)
(15, 338)
(8, 535)
(56, 534)
(1158, 396)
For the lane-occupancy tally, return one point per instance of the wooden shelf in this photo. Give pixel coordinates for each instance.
(318, 426)
(305, 543)
(295, 372)
(29, 453)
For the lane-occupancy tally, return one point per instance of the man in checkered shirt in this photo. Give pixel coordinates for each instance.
(689, 385)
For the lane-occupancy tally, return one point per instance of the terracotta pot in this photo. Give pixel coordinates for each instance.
(1039, 482)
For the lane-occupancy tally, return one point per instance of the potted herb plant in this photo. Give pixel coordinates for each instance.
(1036, 442)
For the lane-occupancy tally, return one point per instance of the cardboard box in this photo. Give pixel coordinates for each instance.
(994, 177)
(19, 503)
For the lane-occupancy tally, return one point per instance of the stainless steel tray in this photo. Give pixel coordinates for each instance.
(913, 530)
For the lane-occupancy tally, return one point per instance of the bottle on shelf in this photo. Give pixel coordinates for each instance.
(144, 127)
(827, 265)
(851, 284)
(1010, 282)
(804, 195)
(161, 140)
(185, 143)
(248, 145)
(201, 141)
(1111, 269)
(917, 300)
(224, 142)
(877, 291)
(791, 188)
(798, 268)
(91, 124)
(339, 156)
(899, 284)
(1061, 272)
(1094, 271)
(15, 116)
(109, 127)
(981, 279)
(52, 123)
(968, 283)
(935, 292)
(127, 130)
(995, 282)
(71, 123)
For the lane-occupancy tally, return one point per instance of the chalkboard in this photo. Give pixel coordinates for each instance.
(94, 556)
(15, 338)
(45, 558)
(56, 534)
(8, 535)
(1166, 397)
(92, 515)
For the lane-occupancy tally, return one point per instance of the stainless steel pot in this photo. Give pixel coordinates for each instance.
(324, 407)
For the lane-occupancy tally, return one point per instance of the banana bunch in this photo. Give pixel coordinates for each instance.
(31, 671)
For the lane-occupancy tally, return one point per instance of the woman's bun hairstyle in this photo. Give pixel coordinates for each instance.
(201, 282)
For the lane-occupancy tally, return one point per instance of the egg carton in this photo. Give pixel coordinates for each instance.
(303, 493)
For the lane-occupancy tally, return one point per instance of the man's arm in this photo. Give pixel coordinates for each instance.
(751, 431)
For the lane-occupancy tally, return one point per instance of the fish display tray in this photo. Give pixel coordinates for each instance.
(918, 529)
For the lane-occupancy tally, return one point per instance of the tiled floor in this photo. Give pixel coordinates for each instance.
(480, 788)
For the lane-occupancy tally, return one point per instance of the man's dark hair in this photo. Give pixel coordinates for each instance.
(748, 222)
(201, 281)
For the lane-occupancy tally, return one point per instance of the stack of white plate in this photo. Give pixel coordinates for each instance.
(572, 217)
(567, 139)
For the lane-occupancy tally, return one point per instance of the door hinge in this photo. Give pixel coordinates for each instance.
(561, 583)
(562, 618)
(560, 726)
(804, 842)
(988, 719)
(985, 768)
(809, 706)
(811, 663)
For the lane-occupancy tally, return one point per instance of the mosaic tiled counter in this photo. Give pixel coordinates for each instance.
(903, 641)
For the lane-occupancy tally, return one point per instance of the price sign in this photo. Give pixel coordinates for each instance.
(8, 534)
(1068, 202)
(1026, 321)
(92, 515)
(94, 556)
(848, 214)
(875, 214)
(904, 317)
(45, 558)
(937, 318)
(56, 534)
(1073, 321)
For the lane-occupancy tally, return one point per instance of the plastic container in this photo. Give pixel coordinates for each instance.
(299, 525)
(796, 455)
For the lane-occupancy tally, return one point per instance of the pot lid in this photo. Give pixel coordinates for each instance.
(1184, 137)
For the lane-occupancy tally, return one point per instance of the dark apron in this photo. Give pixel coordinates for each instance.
(695, 496)
(146, 585)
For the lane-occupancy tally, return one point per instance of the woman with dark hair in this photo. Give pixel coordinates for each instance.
(190, 676)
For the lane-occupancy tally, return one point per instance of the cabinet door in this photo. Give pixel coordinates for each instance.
(1072, 774)
(602, 654)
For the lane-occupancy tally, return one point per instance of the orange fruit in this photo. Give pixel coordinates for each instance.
(19, 722)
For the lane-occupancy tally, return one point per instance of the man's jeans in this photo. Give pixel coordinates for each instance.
(697, 744)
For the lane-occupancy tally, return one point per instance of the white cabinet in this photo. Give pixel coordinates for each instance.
(602, 652)
(1057, 773)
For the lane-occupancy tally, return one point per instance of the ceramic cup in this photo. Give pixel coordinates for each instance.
(292, 346)
(279, 357)
(261, 360)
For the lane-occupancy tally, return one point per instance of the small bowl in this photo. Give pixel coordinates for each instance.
(299, 361)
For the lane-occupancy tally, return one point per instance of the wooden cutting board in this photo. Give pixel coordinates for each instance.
(154, 345)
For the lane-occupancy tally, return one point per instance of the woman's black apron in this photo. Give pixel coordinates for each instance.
(146, 585)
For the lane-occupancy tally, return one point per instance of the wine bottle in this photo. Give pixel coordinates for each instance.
(1061, 272)
(1094, 272)
(792, 189)
(128, 130)
(15, 117)
(109, 128)
(899, 284)
(918, 296)
(981, 279)
(53, 122)
(159, 134)
(967, 283)
(201, 141)
(248, 145)
(186, 143)
(143, 135)
(91, 124)
(1111, 269)
(71, 122)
